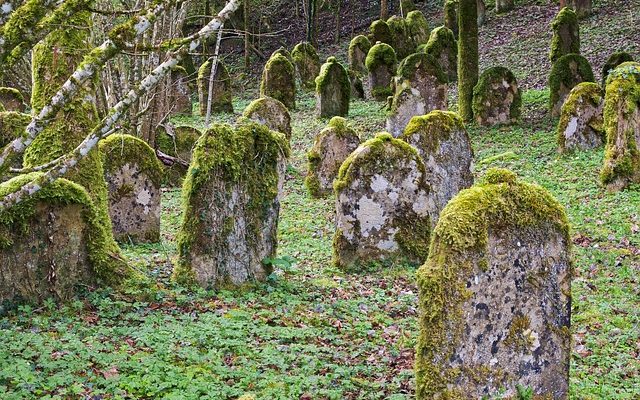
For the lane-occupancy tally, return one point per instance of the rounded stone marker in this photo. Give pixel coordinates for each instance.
(443, 47)
(270, 112)
(381, 63)
(496, 97)
(222, 95)
(580, 126)
(333, 90)
(358, 49)
(565, 74)
(278, 81)
(307, 64)
(495, 295)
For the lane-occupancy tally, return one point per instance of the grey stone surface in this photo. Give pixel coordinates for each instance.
(580, 126)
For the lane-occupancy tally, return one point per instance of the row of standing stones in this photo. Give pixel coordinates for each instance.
(396, 199)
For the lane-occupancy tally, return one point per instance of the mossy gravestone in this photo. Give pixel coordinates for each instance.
(443, 47)
(333, 90)
(566, 35)
(330, 148)
(222, 93)
(307, 64)
(402, 42)
(270, 112)
(451, 16)
(231, 205)
(495, 295)
(278, 81)
(580, 125)
(357, 88)
(358, 49)
(379, 32)
(178, 143)
(420, 87)
(382, 206)
(443, 143)
(133, 175)
(612, 62)
(50, 242)
(565, 74)
(496, 97)
(381, 63)
(622, 127)
(180, 97)
(418, 27)
(11, 100)
(283, 52)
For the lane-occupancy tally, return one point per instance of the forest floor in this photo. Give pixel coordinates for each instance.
(312, 331)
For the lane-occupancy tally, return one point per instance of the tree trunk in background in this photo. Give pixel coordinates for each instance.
(467, 56)
(583, 8)
(482, 12)
(504, 6)
(246, 35)
(337, 33)
(384, 12)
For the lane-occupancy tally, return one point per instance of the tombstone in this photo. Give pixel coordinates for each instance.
(379, 32)
(382, 206)
(566, 35)
(278, 81)
(495, 295)
(357, 88)
(180, 96)
(402, 42)
(580, 126)
(333, 90)
(133, 175)
(418, 27)
(612, 62)
(12, 126)
(443, 47)
(49, 243)
(358, 49)
(566, 73)
(231, 206)
(12, 100)
(420, 87)
(451, 16)
(622, 127)
(283, 52)
(582, 8)
(443, 143)
(270, 112)
(177, 143)
(330, 148)
(307, 64)
(381, 64)
(496, 98)
(503, 6)
(222, 92)
(407, 6)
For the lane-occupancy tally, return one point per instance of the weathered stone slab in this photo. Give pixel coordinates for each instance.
(379, 32)
(402, 42)
(495, 295)
(180, 96)
(307, 64)
(176, 142)
(358, 49)
(331, 147)
(333, 90)
(420, 87)
(496, 98)
(382, 206)
(580, 125)
(222, 95)
(418, 27)
(566, 73)
(270, 112)
(231, 196)
(622, 127)
(612, 62)
(443, 143)
(357, 87)
(49, 243)
(381, 63)
(443, 47)
(278, 81)
(133, 175)
(12, 100)
(566, 34)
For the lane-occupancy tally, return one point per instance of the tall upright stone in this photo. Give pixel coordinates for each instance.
(612, 62)
(278, 81)
(468, 58)
(379, 32)
(382, 210)
(283, 52)
(496, 97)
(307, 64)
(231, 206)
(133, 174)
(11, 100)
(622, 127)
(270, 112)
(381, 63)
(495, 295)
(420, 87)
(580, 126)
(358, 49)
(330, 148)
(451, 16)
(176, 142)
(333, 90)
(357, 87)
(565, 74)
(402, 41)
(443, 47)
(503, 6)
(582, 8)
(566, 35)
(222, 94)
(180, 96)
(418, 27)
(443, 143)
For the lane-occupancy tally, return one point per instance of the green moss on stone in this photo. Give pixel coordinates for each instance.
(118, 150)
(381, 54)
(584, 91)
(248, 155)
(402, 41)
(484, 93)
(307, 63)
(278, 81)
(222, 92)
(442, 43)
(11, 94)
(12, 125)
(467, 56)
(407, 6)
(424, 62)
(568, 71)
(359, 43)
(418, 27)
(612, 62)
(451, 16)
(270, 108)
(332, 73)
(380, 32)
(283, 52)
(463, 226)
(433, 128)
(566, 34)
